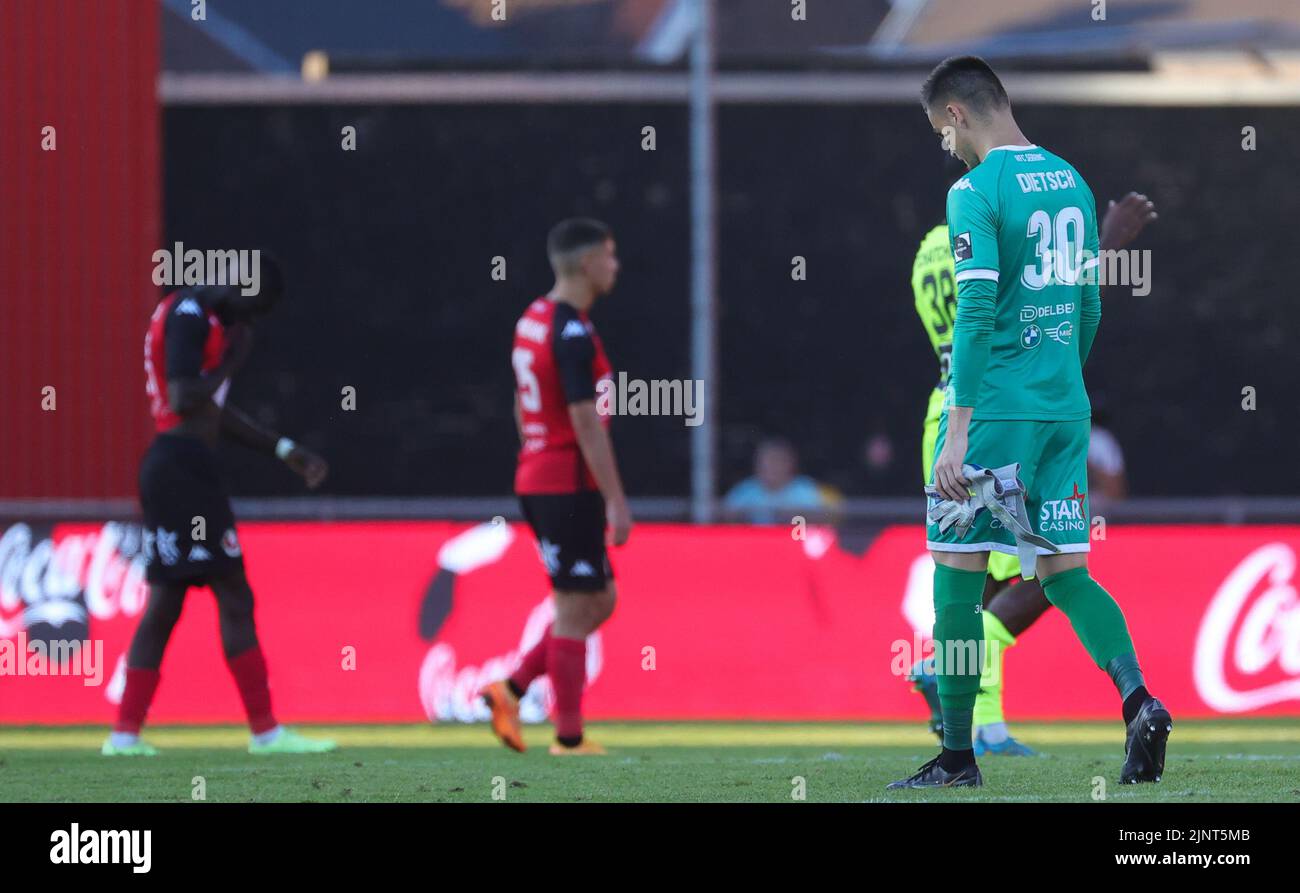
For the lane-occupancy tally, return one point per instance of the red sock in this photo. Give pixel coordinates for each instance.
(136, 698)
(249, 669)
(532, 665)
(567, 666)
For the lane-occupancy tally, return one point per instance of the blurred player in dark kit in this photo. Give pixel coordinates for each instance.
(198, 338)
(567, 477)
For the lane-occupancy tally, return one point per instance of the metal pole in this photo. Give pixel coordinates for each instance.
(889, 37)
(703, 266)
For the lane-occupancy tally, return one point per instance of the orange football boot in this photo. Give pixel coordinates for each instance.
(505, 715)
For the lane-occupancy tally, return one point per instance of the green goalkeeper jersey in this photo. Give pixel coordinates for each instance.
(1022, 226)
(935, 292)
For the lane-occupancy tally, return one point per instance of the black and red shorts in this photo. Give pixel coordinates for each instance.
(570, 531)
(189, 526)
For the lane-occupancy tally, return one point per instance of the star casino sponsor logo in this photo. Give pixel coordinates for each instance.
(1247, 653)
(1060, 515)
(1030, 337)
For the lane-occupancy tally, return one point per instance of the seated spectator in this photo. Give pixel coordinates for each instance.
(776, 492)
(1106, 472)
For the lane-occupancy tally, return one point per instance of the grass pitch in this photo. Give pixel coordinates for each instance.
(1236, 761)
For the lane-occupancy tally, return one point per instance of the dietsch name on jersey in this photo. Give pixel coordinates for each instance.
(558, 359)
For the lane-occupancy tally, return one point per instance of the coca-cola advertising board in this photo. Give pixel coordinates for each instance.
(403, 621)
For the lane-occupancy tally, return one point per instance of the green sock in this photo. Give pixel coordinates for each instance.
(1099, 624)
(958, 641)
(1126, 674)
(997, 639)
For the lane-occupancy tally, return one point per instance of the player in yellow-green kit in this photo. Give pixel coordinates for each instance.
(1011, 605)
(1010, 468)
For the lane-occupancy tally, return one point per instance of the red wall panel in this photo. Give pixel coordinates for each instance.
(745, 623)
(77, 228)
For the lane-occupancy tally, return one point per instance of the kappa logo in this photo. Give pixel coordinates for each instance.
(582, 569)
(549, 553)
(1030, 337)
(574, 328)
(1061, 333)
(961, 247)
(163, 542)
(963, 183)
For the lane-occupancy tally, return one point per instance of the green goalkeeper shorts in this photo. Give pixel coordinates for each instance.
(1001, 567)
(1053, 459)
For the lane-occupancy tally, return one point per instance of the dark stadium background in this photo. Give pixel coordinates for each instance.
(390, 247)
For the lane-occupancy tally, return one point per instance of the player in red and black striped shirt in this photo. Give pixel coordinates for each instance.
(198, 337)
(567, 477)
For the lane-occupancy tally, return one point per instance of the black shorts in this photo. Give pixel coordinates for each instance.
(570, 531)
(180, 486)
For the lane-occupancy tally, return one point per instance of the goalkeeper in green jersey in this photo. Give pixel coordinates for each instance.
(1011, 606)
(1010, 467)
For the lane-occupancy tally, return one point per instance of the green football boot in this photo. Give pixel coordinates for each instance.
(289, 741)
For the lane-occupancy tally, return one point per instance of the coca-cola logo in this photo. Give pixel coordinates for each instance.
(1248, 647)
(449, 688)
(56, 587)
(918, 597)
(449, 692)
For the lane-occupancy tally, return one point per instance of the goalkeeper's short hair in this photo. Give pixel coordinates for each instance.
(968, 80)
